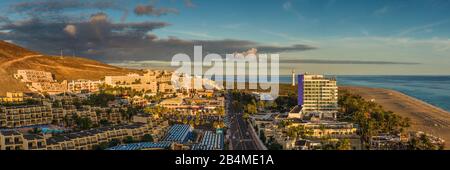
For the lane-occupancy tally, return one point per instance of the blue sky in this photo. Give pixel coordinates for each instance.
(413, 31)
(312, 19)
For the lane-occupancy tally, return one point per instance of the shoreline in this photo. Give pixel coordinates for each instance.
(424, 117)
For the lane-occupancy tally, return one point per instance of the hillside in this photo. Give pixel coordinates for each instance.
(13, 58)
(10, 51)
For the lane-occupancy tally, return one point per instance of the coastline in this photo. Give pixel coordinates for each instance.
(424, 116)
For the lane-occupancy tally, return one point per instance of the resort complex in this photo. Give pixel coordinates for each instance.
(162, 110)
(131, 112)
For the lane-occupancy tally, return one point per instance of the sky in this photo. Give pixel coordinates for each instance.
(339, 37)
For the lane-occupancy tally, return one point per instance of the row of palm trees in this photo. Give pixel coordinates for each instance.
(371, 118)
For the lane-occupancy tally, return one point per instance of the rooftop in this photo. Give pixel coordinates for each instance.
(141, 146)
(178, 133)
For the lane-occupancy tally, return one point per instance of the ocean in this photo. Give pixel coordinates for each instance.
(434, 90)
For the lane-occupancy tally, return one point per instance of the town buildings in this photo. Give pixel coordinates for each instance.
(87, 86)
(31, 115)
(12, 97)
(41, 81)
(279, 129)
(49, 87)
(32, 76)
(151, 81)
(28, 115)
(210, 141)
(203, 102)
(179, 134)
(83, 140)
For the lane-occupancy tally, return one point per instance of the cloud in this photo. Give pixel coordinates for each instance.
(102, 39)
(4, 19)
(50, 26)
(71, 30)
(58, 9)
(423, 28)
(313, 61)
(190, 4)
(150, 10)
(233, 26)
(287, 6)
(46, 6)
(203, 35)
(381, 11)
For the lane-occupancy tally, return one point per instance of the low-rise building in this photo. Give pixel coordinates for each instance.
(165, 88)
(178, 134)
(11, 140)
(41, 81)
(31, 76)
(143, 146)
(331, 129)
(89, 86)
(12, 97)
(87, 140)
(20, 116)
(210, 141)
(49, 87)
(151, 81)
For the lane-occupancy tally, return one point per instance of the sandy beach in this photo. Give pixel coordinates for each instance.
(424, 117)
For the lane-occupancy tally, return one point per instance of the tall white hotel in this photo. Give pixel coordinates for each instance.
(317, 93)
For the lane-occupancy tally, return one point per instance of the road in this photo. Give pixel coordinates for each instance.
(240, 137)
(10, 62)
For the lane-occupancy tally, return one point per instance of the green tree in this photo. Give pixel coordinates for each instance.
(84, 123)
(101, 146)
(344, 144)
(104, 122)
(128, 140)
(423, 143)
(251, 108)
(114, 142)
(147, 138)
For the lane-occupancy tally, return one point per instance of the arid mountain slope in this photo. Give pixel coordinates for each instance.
(13, 58)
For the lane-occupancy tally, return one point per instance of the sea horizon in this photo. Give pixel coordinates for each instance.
(432, 89)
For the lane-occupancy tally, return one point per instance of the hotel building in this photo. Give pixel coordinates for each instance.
(41, 81)
(49, 87)
(179, 134)
(13, 140)
(31, 76)
(317, 93)
(12, 97)
(79, 86)
(20, 116)
(210, 141)
(153, 81)
(84, 140)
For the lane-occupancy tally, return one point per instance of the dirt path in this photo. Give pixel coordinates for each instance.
(6, 64)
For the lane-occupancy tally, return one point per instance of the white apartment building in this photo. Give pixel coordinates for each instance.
(317, 93)
(78, 86)
(32, 76)
(153, 81)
